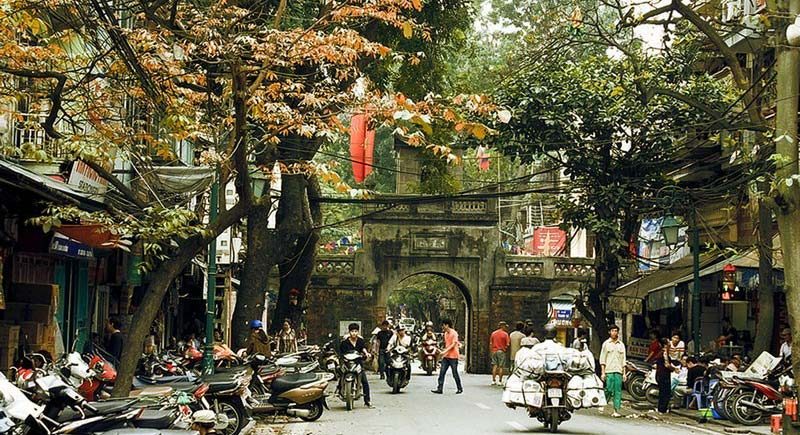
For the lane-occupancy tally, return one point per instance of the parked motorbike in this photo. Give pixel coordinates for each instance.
(349, 389)
(398, 371)
(429, 354)
(328, 357)
(227, 393)
(636, 372)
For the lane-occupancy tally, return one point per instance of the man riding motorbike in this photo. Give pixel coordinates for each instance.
(355, 343)
(428, 334)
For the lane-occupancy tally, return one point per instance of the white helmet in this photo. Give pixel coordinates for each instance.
(527, 341)
(204, 416)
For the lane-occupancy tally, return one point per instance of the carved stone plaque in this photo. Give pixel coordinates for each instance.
(429, 242)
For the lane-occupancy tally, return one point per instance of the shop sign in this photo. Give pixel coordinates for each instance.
(63, 245)
(638, 347)
(560, 314)
(661, 299)
(86, 179)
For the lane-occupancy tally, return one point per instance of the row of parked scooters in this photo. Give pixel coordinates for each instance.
(73, 393)
(746, 397)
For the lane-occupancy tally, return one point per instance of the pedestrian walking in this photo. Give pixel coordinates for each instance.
(516, 342)
(498, 346)
(612, 367)
(450, 355)
(382, 337)
(664, 369)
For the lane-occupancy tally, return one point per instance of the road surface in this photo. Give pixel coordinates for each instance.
(478, 411)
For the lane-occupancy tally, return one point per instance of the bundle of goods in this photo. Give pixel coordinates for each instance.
(524, 388)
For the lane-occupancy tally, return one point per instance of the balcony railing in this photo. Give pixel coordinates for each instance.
(27, 139)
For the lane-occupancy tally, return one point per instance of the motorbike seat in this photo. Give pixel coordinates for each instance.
(104, 407)
(290, 382)
(222, 386)
(154, 391)
(164, 380)
(154, 419)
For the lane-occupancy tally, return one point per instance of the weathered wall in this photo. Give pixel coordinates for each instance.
(453, 239)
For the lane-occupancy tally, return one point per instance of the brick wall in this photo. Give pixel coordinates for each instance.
(326, 307)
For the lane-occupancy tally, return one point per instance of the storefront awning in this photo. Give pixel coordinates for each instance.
(628, 298)
(24, 179)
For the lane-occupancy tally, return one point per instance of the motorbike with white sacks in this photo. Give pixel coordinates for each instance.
(552, 381)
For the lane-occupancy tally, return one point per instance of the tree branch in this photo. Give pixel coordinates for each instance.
(116, 182)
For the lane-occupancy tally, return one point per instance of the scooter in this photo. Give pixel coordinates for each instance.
(636, 373)
(398, 371)
(349, 388)
(429, 352)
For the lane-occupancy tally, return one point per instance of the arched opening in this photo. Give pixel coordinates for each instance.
(432, 296)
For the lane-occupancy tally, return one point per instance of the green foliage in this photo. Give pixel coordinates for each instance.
(605, 123)
(427, 60)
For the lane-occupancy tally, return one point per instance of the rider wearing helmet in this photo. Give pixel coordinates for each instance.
(258, 342)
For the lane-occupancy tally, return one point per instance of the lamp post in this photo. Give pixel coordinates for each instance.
(669, 229)
(211, 293)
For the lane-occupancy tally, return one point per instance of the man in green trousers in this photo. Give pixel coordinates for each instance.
(612, 365)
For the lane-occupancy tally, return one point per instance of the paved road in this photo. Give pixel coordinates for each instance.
(478, 411)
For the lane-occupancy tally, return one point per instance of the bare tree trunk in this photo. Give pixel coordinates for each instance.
(160, 281)
(766, 282)
(261, 258)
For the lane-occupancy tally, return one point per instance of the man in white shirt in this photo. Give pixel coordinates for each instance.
(612, 365)
(786, 347)
(677, 348)
(400, 338)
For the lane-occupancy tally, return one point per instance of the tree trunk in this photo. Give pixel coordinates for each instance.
(766, 285)
(160, 281)
(261, 258)
(294, 222)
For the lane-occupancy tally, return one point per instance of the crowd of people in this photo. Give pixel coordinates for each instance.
(669, 356)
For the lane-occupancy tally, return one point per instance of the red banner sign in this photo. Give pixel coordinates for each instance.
(549, 241)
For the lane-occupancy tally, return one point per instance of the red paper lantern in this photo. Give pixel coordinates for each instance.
(362, 147)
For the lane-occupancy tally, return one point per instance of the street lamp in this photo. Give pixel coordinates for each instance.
(793, 33)
(669, 229)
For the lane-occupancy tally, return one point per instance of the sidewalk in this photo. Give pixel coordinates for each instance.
(725, 425)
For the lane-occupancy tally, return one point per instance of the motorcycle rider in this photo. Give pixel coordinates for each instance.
(258, 342)
(203, 421)
(429, 334)
(382, 338)
(526, 348)
(355, 343)
(400, 338)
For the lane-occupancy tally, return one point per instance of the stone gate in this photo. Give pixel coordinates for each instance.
(456, 239)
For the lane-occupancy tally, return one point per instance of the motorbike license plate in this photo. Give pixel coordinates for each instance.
(534, 399)
(554, 392)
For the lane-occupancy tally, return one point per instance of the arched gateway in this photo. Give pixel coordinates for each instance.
(456, 239)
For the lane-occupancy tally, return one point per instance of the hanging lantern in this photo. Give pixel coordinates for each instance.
(362, 146)
(728, 283)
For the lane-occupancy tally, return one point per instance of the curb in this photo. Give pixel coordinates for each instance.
(726, 426)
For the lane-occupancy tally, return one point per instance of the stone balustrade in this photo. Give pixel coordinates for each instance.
(335, 265)
(459, 210)
(521, 266)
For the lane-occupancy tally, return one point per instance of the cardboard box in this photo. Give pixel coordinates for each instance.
(9, 335)
(43, 294)
(33, 330)
(24, 312)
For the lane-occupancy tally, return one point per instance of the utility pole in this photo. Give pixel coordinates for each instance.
(211, 294)
(788, 84)
(696, 282)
